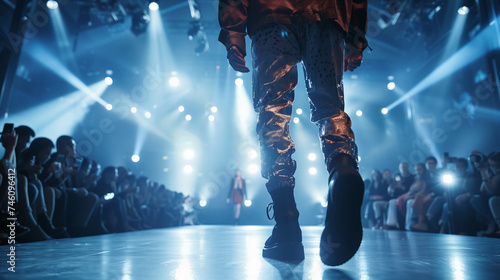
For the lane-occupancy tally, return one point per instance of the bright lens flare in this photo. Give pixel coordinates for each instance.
(153, 6)
(312, 156)
(188, 154)
(174, 82)
(463, 10)
(448, 179)
(52, 4)
(108, 81)
(248, 203)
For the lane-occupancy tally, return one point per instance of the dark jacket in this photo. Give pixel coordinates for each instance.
(242, 191)
(239, 17)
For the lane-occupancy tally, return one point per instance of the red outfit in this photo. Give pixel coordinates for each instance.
(237, 194)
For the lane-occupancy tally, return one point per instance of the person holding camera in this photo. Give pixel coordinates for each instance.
(486, 203)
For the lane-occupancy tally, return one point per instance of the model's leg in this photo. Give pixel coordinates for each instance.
(275, 55)
(237, 211)
(323, 57)
(323, 64)
(409, 213)
(495, 208)
(379, 209)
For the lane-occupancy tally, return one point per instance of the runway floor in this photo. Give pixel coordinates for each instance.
(229, 252)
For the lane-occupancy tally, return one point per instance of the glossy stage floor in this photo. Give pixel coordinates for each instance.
(228, 252)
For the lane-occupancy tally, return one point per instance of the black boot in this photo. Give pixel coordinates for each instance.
(343, 231)
(285, 243)
(46, 224)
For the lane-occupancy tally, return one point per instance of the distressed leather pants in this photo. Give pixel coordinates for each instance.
(276, 51)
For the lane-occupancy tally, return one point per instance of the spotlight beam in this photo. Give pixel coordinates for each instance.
(48, 60)
(469, 53)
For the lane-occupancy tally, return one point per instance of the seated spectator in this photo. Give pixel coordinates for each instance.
(377, 191)
(380, 206)
(131, 203)
(489, 191)
(24, 134)
(30, 166)
(402, 182)
(60, 171)
(423, 202)
(113, 212)
(7, 165)
(457, 192)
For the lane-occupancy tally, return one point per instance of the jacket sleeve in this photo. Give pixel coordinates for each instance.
(245, 189)
(358, 25)
(230, 188)
(233, 23)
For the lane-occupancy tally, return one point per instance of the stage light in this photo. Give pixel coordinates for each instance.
(384, 111)
(359, 158)
(140, 22)
(203, 203)
(463, 10)
(165, 169)
(213, 109)
(147, 115)
(188, 117)
(135, 158)
(359, 113)
(252, 154)
(109, 107)
(174, 82)
(153, 6)
(448, 179)
(390, 78)
(299, 111)
(133, 110)
(108, 81)
(391, 86)
(253, 168)
(188, 169)
(181, 108)
(238, 81)
(211, 118)
(324, 204)
(188, 154)
(52, 4)
(312, 156)
(313, 171)
(248, 203)
(296, 120)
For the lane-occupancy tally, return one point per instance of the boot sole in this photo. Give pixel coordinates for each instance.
(286, 252)
(343, 231)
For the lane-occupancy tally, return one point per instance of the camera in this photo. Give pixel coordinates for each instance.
(478, 158)
(7, 129)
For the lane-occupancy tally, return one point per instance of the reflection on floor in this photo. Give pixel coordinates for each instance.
(227, 252)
